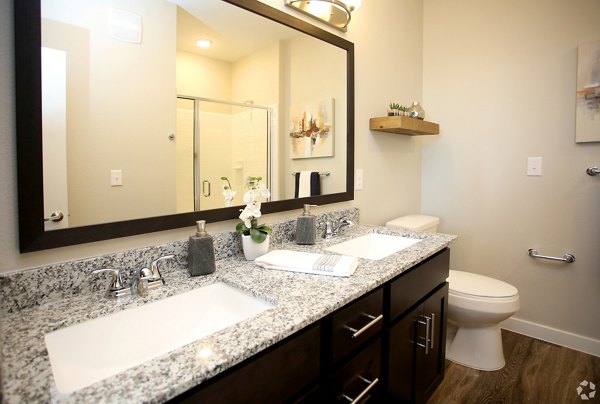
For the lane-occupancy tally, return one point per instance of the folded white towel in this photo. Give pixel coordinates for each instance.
(310, 263)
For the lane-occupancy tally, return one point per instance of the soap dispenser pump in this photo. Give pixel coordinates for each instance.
(201, 251)
(306, 227)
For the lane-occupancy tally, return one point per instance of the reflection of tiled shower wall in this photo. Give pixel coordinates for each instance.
(249, 146)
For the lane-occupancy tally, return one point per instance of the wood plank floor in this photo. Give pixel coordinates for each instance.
(535, 372)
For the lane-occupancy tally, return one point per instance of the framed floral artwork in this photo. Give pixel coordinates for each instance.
(312, 130)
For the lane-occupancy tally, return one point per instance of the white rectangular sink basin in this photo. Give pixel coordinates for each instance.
(85, 353)
(373, 246)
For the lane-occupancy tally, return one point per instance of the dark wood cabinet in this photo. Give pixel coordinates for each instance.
(385, 346)
(417, 350)
(416, 332)
(277, 375)
(359, 380)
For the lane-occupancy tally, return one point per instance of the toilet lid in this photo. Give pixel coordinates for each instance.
(478, 285)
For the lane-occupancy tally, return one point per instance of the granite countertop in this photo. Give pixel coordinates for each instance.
(300, 299)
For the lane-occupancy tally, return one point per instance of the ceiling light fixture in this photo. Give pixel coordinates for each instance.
(336, 13)
(204, 43)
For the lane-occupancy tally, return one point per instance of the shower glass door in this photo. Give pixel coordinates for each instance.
(227, 140)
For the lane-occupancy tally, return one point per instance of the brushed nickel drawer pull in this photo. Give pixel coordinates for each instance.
(356, 332)
(432, 335)
(427, 338)
(371, 384)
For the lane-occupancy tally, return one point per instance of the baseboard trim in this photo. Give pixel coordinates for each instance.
(553, 335)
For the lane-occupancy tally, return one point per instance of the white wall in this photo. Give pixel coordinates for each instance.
(499, 77)
(387, 37)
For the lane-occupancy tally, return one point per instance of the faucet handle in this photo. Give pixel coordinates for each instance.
(116, 283)
(155, 274)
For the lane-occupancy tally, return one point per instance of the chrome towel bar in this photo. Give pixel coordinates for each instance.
(593, 171)
(568, 258)
(321, 173)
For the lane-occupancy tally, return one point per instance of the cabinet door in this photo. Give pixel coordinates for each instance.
(401, 361)
(430, 362)
(417, 350)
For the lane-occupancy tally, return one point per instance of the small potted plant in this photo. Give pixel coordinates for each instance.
(255, 237)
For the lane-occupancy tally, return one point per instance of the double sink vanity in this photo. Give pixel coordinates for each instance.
(241, 334)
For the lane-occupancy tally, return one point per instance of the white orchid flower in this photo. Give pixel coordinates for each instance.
(246, 217)
(263, 190)
(250, 196)
(229, 194)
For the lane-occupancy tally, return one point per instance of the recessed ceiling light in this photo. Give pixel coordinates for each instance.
(203, 43)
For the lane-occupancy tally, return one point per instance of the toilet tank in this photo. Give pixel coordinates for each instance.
(414, 222)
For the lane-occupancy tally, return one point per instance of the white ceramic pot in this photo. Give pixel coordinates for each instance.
(253, 250)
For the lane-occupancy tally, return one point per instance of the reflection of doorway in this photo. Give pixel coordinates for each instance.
(54, 136)
(220, 139)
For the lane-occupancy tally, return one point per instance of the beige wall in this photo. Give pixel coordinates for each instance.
(200, 76)
(500, 79)
(314, 76)
(113, 111)
(391, 163)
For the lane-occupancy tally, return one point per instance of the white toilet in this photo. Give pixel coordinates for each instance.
(476, 306)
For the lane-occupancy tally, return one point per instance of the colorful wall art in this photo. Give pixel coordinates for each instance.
(312, 130)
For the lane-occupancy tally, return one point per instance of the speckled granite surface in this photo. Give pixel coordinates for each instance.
(300, 300)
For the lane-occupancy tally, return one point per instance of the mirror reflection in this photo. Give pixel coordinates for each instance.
(139, 121)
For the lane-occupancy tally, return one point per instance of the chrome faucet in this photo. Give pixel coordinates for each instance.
(332, 229)
(155, 278)
(143, 279)
(343, 222)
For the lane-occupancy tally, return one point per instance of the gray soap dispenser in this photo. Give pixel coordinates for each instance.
(306, 227)
(201, 251)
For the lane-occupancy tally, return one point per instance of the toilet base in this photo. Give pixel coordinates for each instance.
(476, 347)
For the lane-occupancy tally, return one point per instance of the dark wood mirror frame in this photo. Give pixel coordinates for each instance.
(32, 236)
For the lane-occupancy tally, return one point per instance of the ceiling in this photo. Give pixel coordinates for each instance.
(227, 26)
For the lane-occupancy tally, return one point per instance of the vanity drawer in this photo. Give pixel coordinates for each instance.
(356, 323)
(360, 377)
(413, 285)
(274, 376)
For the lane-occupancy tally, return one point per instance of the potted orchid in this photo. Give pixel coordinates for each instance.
(255, 237)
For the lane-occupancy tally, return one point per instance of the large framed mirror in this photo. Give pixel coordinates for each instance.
(125, 126)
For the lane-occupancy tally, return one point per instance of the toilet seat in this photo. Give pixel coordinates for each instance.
(475, 286)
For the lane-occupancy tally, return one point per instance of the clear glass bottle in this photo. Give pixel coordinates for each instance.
(416, 111)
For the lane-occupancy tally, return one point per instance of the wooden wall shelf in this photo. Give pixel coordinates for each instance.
(404, 125)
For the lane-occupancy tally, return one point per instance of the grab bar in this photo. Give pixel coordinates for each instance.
(568, 258)
(593, 171)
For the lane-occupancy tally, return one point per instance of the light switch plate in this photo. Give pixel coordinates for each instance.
(534, 166)
(116, 178)
(358, 179)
